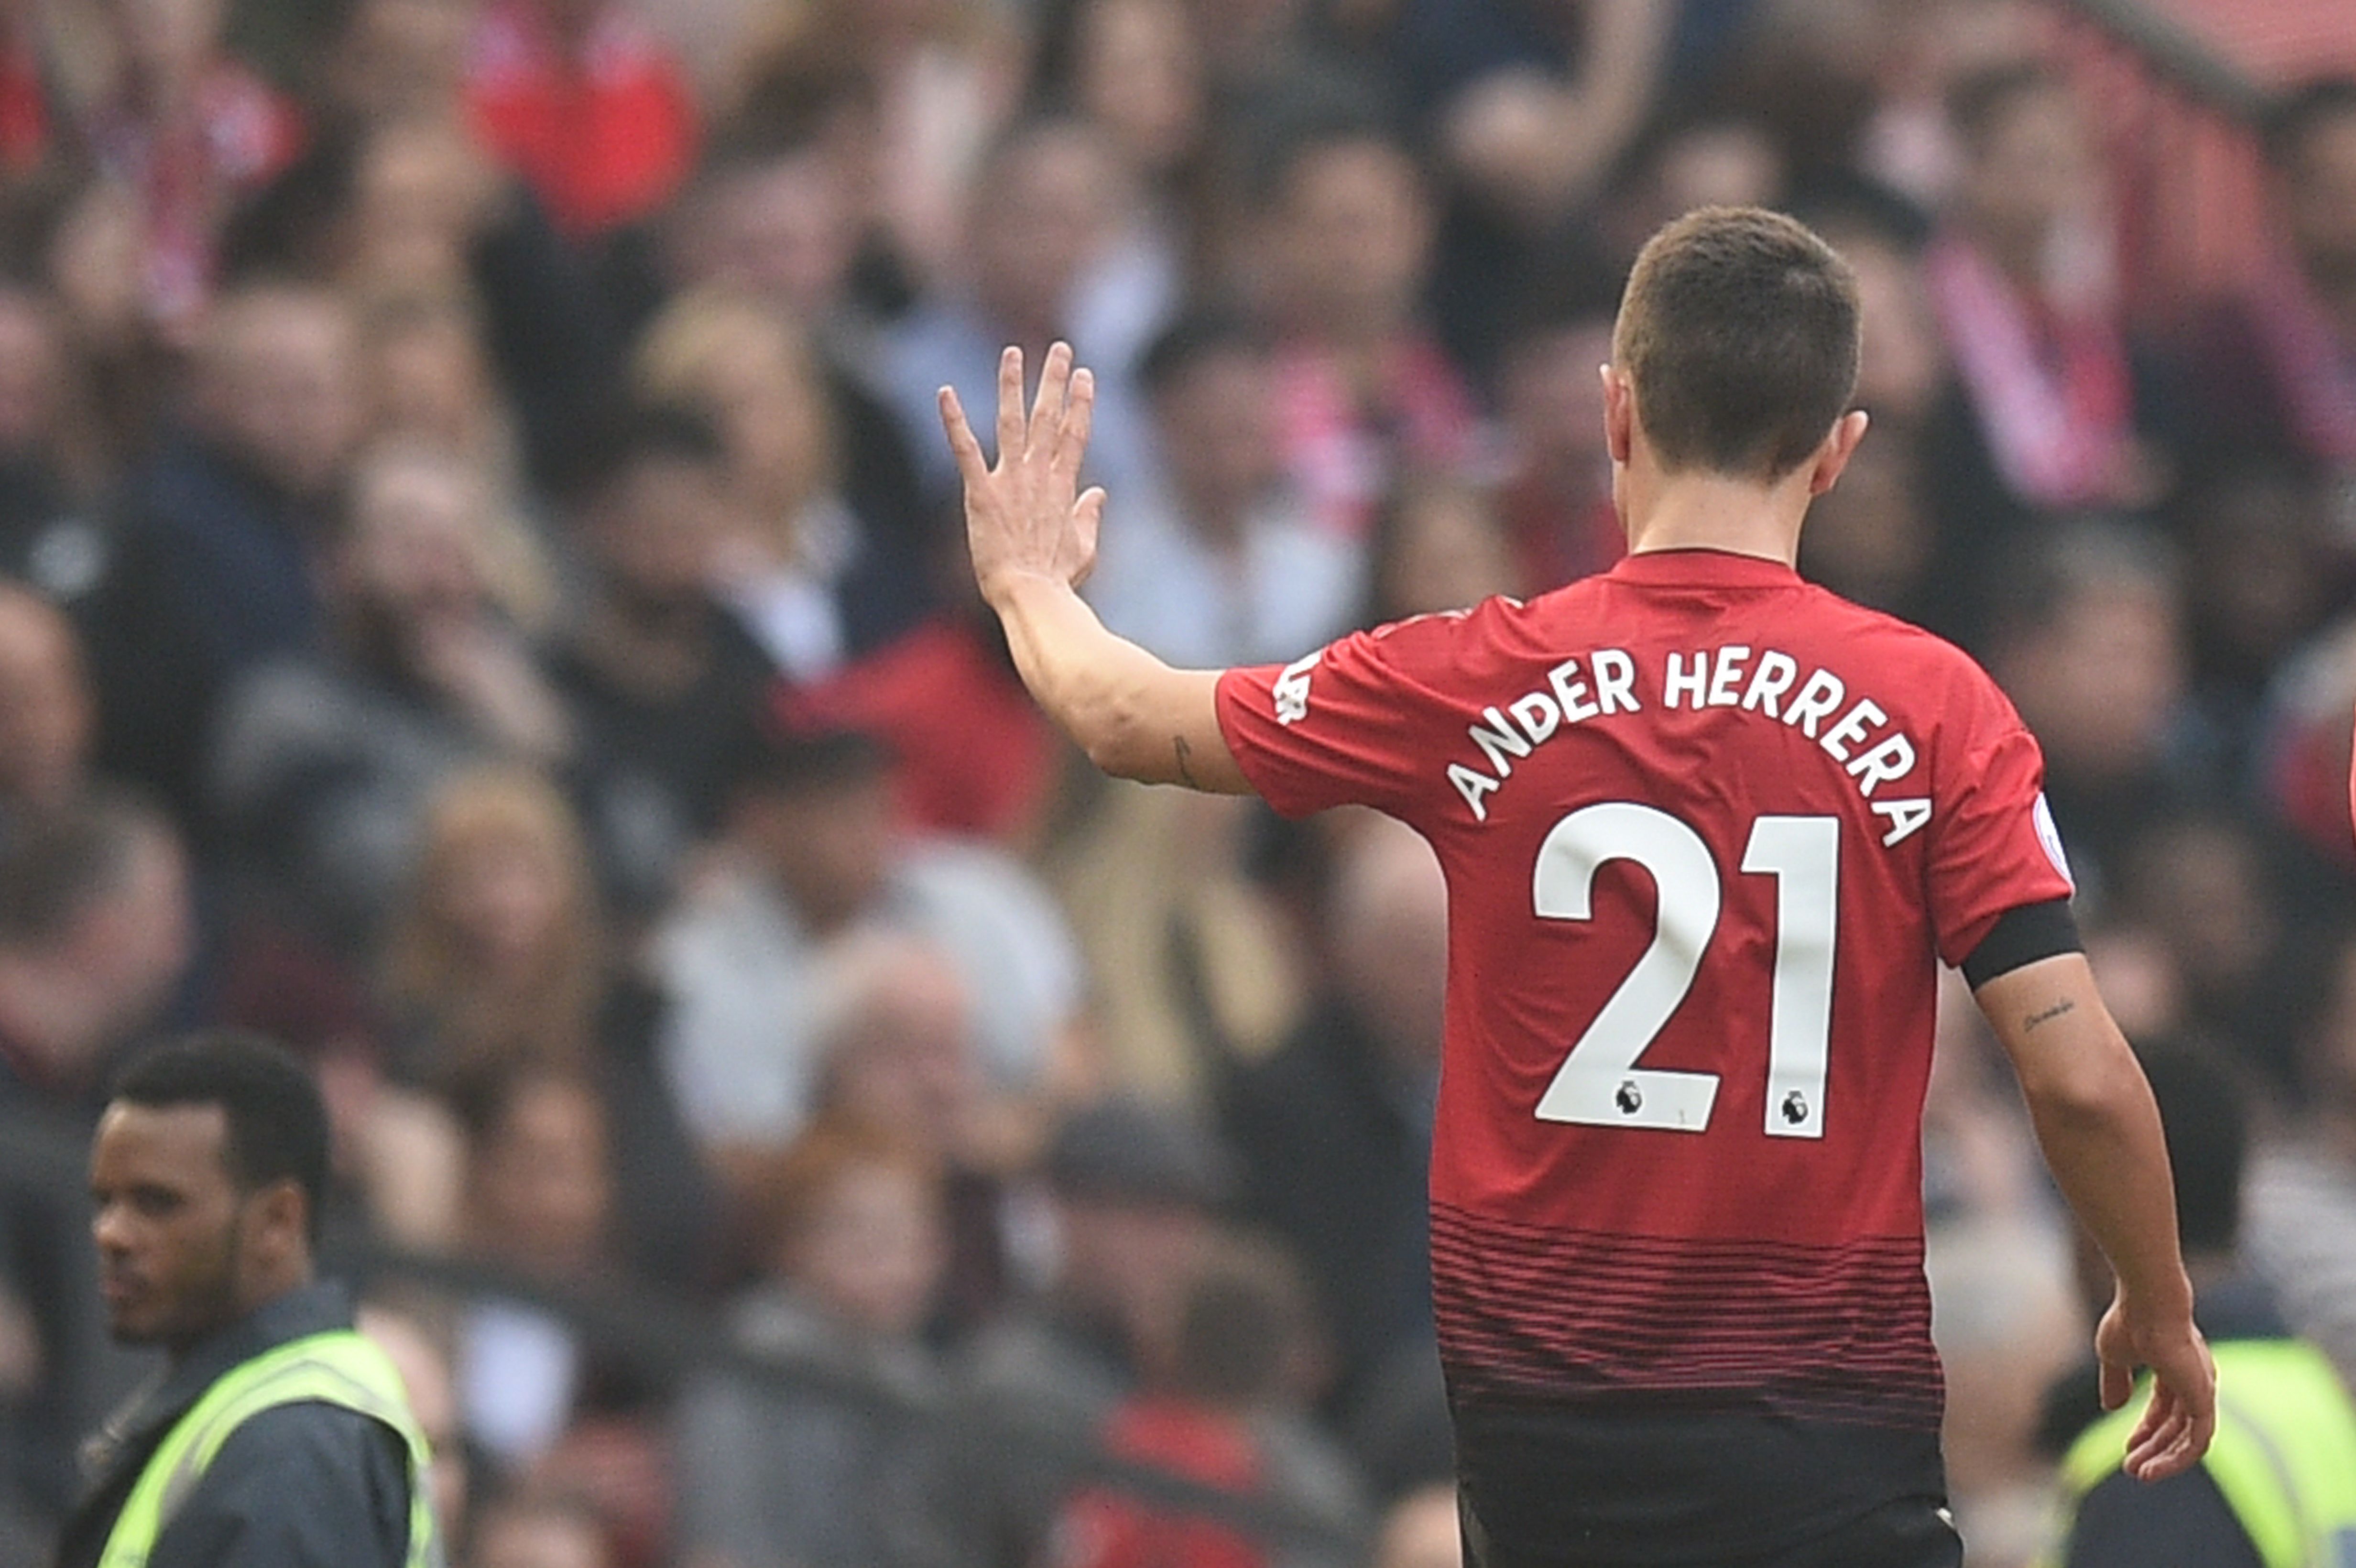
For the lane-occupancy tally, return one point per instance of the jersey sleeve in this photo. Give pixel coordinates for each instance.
(1340, 727)
(1994, 847)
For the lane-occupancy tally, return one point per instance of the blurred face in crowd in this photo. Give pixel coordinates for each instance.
(1391, 937)
(656, 530)
(764, 391)
(1552, 401)
(2260, 577)
(504, 898)
(422, 189)
(1354, 232)
(165, 43)
(431, 380)
(279, 382)
(1867, 538)
(541, 1180)
(829, 842)
(45, 702)
(412, 558)
(1442, 548)
(1131, 1262)
(184, 1249)
(2200, 886)
(1902, 359)
(2033, 167)
(402, 58)
(1218, 441)
(904, 1062)
(2318, 201)
(785, 231)
(28, 371)
(2098, 681)
(871, 1249)
(1044, 211)
(1141, 77)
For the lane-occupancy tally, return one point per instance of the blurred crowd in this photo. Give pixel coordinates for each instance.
(484, 604)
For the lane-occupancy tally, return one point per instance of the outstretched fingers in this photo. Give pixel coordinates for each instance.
(972, 467)
(1079, 418)
(1048, 407)
(1012, 437)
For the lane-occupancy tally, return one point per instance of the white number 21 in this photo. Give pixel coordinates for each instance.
(1600, 1084)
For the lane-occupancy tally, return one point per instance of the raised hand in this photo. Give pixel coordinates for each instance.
(1022, 516)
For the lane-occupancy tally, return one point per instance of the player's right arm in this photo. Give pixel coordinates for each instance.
(2101, 1133)
(1033, 541)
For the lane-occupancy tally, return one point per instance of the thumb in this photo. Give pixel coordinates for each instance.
(2118, 1381)
(1088, 516)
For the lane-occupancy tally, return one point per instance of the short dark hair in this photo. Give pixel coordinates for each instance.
(1192, 338)
(1738, 329)
(614, 443)
(2290, 119)
(277, 1121)
(2204, 1112)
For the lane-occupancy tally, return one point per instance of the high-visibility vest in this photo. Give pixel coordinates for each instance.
(337, 1367)
(2283, 1457)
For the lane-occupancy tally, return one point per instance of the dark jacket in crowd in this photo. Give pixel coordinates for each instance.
(211, 577)
(298, 1486)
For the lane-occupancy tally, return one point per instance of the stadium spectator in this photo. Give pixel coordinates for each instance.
(815, 579)
(1363, 388)
(325, 760)
(797, 1474)
(2047, 414)
(187, 128)
(664, 678)
(48, 712)
(897, 1061)
(541, 1527)
(213, 574)
(49, 458)
(581, 100)
(1222, 562)
(2087, 644)
(2300, 1232)
(1556, 495)
(1220, 1404)
(1133, 1189)
(1333, 1131)
(1044, 211)
(499, 957)
(95, 938)
(2272, 364)
(1438, 545)
(812, 854)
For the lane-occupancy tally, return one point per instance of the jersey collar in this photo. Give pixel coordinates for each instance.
(1704, 569)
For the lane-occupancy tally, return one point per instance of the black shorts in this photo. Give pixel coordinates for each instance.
(1914, 1532)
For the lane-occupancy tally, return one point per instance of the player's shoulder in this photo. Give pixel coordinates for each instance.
(1929, 662)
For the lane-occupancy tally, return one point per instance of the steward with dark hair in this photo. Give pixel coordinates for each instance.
(277, 1434)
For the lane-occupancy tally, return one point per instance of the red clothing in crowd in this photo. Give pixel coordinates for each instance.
(975, 756)
(603, 132)
(1107, 1529)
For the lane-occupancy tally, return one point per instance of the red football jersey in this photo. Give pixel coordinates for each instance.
(1706, 830)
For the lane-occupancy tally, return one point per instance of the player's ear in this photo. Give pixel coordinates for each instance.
(1619, 412)
(1839, 445)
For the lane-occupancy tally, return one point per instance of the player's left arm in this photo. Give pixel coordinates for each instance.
(1033, 541)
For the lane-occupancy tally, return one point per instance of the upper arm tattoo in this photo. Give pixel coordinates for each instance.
(1183, 751)
(2048, 1015)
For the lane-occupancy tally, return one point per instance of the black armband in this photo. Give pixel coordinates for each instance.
(2020, 936)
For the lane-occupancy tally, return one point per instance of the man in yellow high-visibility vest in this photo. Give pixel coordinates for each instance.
(275, 1437)
(2278, 1488)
